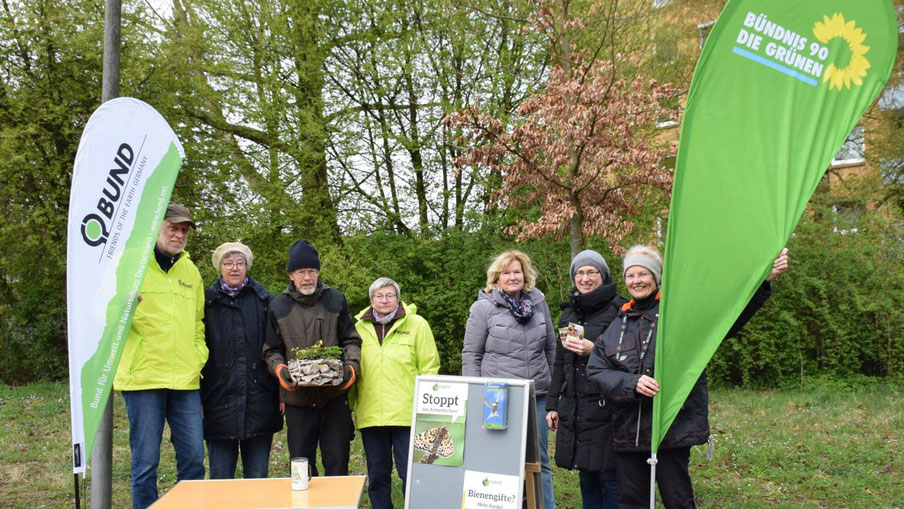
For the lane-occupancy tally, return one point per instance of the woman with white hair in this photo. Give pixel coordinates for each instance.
(396, 346)
(622, 365)
(509, 334)
(239, 397)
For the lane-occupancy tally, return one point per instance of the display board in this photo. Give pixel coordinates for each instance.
(453, 461)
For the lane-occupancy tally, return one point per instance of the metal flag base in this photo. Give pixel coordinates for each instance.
(652, 462)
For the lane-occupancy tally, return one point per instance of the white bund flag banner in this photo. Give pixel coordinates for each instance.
(127, 161)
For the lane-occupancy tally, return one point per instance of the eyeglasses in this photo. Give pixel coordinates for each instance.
(639, 275)
(235, 265)
(312, 273)
(589, 273)
(388, 296)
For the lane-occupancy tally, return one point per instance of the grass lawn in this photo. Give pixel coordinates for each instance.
(822, 447)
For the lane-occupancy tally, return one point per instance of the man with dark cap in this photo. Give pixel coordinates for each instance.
(159, 372)
(306, 313)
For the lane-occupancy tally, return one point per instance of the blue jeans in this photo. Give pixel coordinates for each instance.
(599, 490)
(147, 410)
(222, 456)
(549, 500)
(381, 445)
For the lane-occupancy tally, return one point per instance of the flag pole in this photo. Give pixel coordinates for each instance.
(102, 452)
(652, 461)
(78, 499)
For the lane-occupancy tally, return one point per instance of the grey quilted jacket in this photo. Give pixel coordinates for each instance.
(497, 346)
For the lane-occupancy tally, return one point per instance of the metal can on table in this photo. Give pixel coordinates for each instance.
(300, 473)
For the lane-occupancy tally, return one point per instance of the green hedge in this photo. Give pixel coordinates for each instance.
(835, 313)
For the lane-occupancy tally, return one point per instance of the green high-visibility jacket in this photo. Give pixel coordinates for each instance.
(165, 347)
(384, 392)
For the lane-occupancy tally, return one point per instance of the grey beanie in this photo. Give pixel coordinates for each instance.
(591, 258)
(645, 257)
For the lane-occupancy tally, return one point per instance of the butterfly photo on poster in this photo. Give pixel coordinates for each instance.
(436, 443)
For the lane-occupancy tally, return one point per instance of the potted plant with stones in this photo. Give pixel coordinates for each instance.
(316, 366)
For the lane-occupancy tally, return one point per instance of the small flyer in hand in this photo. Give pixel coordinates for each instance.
(495, 405)
(573, 330)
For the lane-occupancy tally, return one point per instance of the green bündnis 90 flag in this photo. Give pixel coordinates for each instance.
(779, 86)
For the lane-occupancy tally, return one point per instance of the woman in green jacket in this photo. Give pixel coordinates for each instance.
(396, 346)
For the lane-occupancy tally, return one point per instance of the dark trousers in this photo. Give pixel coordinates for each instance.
(675, 489)
(330, 425)
(599, 490)
(223, 455)
(381, 445)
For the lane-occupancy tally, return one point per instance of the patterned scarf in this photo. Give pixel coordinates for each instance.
(385, 319)
(522, 309)
(230, 291)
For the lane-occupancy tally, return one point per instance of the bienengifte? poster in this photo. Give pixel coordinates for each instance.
(484, 490)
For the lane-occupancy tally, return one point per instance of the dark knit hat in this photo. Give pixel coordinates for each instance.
(302, 256)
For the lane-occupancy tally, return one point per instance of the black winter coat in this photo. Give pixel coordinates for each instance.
(584, 438)
(240, 397)
(616, 370)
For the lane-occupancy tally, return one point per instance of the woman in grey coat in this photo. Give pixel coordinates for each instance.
(509, 334)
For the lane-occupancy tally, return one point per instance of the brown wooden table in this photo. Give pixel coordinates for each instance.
(322, 492)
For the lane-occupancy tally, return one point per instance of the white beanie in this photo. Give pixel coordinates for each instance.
(231, 247)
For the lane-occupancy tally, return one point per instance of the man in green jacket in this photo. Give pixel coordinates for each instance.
(396, 346)
(159, 372)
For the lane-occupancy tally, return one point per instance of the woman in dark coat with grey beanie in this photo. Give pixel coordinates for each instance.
(575, 406)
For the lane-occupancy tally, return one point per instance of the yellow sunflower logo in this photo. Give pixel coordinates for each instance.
(855, 70)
